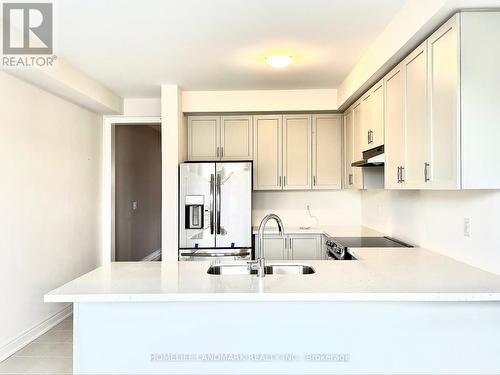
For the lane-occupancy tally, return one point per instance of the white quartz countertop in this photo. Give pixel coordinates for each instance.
(330, 230)
(389, 274)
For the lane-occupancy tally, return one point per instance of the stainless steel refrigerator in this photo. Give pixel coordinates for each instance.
(215, 211)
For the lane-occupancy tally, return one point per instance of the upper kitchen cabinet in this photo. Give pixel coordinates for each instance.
(267, 166)
(348, 149)
(415, 118)
(394, 129)
(442, 167)
(372, 107)
(327, 152)
(203, 138)
(296, 152)
(353, 130)
(441, 109)
(220, 138)
(236, 136)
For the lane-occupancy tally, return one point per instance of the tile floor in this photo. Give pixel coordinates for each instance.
(51, 353)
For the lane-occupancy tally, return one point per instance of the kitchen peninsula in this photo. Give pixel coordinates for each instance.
(383, 312)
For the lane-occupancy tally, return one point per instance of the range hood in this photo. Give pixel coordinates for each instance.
(371, 158)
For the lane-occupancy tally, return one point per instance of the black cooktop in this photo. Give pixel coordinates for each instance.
(369, 242)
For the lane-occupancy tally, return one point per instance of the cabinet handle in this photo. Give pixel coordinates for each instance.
(217, 151)
(350, 179)
(398, 175)
(284, 181)
(426, 172)
(279, 181)
(222, 152)
(402, 174)
(314, 180)
(370, 136)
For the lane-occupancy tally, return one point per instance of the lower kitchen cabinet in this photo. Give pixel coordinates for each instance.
(305, 247)
(274, 248)
(292, 247)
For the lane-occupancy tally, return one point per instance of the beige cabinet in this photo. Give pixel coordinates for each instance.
(305, 247)
(274, 248)
(220, 138)
(296, 152)
(442, 168)
(293, 246)
(204, 138)
(357, 124)
(415, 117)
(372, 107)
(377, 135)
(348, 149)
(326, 152)
(394, 129)
(267, 165)
(236, 135)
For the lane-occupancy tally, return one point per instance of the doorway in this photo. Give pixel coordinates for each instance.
(137, 191)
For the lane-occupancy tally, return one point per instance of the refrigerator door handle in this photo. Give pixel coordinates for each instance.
(212, 197)
(218, 201)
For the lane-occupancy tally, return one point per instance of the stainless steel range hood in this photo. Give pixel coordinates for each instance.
(371, 158)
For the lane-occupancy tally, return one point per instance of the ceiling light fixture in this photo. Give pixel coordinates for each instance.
(279, 61)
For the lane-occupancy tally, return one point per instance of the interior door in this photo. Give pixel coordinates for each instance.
(203, 138)
(394, 128)
(327, 152)
(415, 111)
(296, 152)
(267, 152)
(233, 205)
(236, 138)
(196, 187)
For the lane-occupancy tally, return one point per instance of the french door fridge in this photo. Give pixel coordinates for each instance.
(215, 209)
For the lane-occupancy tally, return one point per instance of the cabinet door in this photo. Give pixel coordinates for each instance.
(305, 247)
(415, 110)
(349, 149)
(236, 138)
(443, 168)
(377, 136)
(327, 152)
(358, 153)
(267, 138)
(274, 248)
(394, 128)
(203, 137)
(367, 121)
(297, 152)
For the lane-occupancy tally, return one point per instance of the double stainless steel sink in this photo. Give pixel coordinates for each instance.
(270, 269)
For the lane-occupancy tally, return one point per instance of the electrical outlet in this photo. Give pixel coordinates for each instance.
(467, 227)
(134, 205)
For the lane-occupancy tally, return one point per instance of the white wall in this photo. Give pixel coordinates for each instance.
(50, 162)
(435, 220)
(259, 100)
(330, 207)
(142, 107)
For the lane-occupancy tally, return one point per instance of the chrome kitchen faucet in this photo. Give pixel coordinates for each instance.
(260, 264)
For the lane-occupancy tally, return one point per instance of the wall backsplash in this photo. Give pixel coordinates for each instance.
(330, 207)
(435, 220)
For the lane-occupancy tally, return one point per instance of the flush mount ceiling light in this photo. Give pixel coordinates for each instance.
(279, 61)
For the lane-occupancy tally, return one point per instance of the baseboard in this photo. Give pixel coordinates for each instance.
(28, 336)
(155, 255)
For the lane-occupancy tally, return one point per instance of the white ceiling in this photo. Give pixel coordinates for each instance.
(134, 46)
